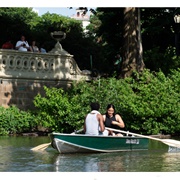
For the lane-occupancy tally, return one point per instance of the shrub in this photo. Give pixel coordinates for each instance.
(13, 120)
(147, 102)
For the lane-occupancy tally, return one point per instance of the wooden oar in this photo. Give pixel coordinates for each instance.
(42, 147)
(169, 142)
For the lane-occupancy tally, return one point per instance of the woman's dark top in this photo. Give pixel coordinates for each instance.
(108, 122)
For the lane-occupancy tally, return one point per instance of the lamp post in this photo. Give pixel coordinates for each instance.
(177, 29)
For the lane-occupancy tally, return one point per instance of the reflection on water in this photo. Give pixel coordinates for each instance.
(171, 162)
(16, 156)
(145, 161)
(88, 163)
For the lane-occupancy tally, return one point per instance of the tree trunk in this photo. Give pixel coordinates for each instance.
(132, 49)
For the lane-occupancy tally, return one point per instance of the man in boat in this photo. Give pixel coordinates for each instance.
(113, 120)
(94, 124)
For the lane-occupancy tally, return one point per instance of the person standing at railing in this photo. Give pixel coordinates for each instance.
(42, 49)
(33, 47)
(22, 45)
(7, 45)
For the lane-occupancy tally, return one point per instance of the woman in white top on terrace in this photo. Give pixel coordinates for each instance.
(22, 45)
(94, 124)
(33, 47)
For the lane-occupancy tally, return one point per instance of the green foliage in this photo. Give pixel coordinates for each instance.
(147, 102)
(157, 31)
(18, 21)
(156, 104)
(15, 22)
(156, 60)
(48, 23)
(101, 42)
(13, 120)
(157, 28)
(57, 110)
(110, 40)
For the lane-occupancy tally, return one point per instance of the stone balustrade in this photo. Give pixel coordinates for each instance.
(23, 74)
(49, 66)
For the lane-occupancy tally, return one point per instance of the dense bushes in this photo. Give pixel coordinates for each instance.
(149, 103)
(13, 121)
(58, 111)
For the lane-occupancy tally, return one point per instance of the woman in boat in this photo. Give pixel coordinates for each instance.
(94, 124)
(113, 120)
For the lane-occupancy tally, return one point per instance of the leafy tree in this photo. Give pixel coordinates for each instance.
(109, 39)
(157, 28)
(124, 38)
(15, 22)
(157, 31)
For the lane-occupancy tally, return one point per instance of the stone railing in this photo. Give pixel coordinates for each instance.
(24, 74)
(49, 66)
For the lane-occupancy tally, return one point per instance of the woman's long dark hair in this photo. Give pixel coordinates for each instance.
(110, 106)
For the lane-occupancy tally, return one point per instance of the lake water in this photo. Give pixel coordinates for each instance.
(16, 156)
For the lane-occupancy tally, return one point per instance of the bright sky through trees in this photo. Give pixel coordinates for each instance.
(65, 11)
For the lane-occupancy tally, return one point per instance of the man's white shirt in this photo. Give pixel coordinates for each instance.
(21, 47)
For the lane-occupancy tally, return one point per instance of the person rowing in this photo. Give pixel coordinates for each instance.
(93, 124)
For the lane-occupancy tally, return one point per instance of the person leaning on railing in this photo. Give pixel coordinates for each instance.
(7, 45)
(22, 45)
(33, 47)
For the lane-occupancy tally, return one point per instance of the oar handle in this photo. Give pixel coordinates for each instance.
(75, 132)
(169, 142)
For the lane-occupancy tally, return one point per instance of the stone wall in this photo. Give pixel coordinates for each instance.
(21, 92)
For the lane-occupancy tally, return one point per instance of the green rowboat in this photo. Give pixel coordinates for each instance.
(80, 143)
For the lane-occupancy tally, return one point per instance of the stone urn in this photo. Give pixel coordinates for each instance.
(58, 36)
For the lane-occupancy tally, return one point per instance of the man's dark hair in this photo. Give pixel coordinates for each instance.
(95, 106)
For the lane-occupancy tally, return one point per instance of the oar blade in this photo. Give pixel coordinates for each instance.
(171, 142)
(41, 147)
